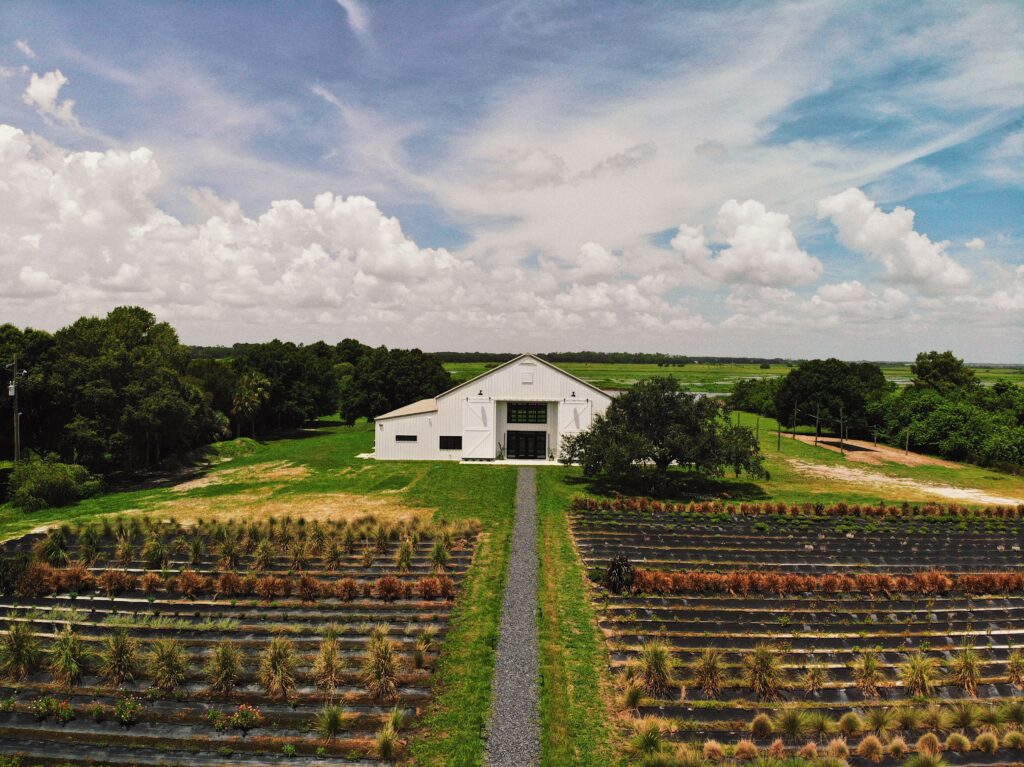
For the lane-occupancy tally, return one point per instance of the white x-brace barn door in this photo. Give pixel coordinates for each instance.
(478, 427)
(574, 416)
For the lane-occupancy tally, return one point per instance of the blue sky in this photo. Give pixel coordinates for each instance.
(786, 179)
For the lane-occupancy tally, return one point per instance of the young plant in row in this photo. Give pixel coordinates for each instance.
(118, 658)
(20, 653)
(762, 671)
(167, 664)
(69, 658)
(328, 666)
(278, 668)
(224, 668)
(380, 668)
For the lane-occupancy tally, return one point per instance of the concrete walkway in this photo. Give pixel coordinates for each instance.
(513, 735)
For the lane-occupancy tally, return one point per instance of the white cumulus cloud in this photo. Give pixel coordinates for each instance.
(908, 256)
(43, 93)
(761, 248)
(975, 244)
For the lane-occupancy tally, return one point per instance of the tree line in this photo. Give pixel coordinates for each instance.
(121, 393)
(945, 410)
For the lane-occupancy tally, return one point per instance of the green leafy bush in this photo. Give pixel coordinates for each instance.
(45, 482)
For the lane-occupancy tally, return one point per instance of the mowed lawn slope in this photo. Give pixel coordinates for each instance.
(317, 474)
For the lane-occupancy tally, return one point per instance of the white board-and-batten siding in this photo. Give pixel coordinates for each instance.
(477, 412)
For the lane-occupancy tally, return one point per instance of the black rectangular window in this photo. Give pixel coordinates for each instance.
(527, 412)
(405, 438)
(451, 443)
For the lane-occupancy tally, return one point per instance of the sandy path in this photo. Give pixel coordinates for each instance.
(862, 451)
(857, 476)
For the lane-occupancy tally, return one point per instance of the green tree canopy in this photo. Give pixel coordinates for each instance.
(942, 371)
(384, 379)
(832, 389)
(655, 425)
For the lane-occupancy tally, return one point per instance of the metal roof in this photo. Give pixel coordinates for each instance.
(422, 406)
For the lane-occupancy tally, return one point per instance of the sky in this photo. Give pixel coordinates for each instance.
(791, 179)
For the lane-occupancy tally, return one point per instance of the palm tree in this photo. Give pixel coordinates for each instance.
(763, 672)
(119, 658)
(19, 650)
(69, 657)
(168, 664)
(328, 665)
(919, 674)
(224, 668)
(278, 668)
(380, 668)
(253, 389)
(867, 673)
(709, 671)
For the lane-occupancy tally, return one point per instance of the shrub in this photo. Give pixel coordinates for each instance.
(632, 697)
(763, 672)
(746, 750)
(388, 588)
(709, 671)
(761, 726)
(808, 750)
(113, 582)
(151, 582)
(127, 711)
(919, 674)
(777, 750)
(380, 669)
(713, 750)
(330, 721)
(957, 741)
(987, 743)
(897, 748)
(870, 748)
(245, 718)
(820, 724)
(439, 556)
(791, 723)
(269, 586)
(928, 744)
(75, 578)
(40, 483)
(850, 724)
(69, 658)
(224, 668)
(190, 583)
(403, 557)
(649, 736)
(1014, 739)
(936, 718)
(36, 580)
(118, 658)
(19, 650)
(346, 589)
(908, 718)
(618, 576)
(878, 720)
(964, 716)
(837, 749)
(167, 664)
(278, 668)
(229, 585)
(657, 664)
(813, 680)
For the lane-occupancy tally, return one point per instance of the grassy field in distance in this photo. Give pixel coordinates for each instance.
(706, 377)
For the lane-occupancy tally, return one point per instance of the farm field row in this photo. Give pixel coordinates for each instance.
(734, 632)
(706, 377)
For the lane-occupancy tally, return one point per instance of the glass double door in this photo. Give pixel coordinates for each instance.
(527, 444)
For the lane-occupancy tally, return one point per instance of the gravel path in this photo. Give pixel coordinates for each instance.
(513, 735)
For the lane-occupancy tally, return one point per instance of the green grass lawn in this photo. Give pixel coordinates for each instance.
(706, 377)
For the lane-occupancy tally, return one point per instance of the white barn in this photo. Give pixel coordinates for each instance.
(517, 410)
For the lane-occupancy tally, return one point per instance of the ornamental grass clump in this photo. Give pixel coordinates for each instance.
(1013, 739)
(328, 665)
(919, 674)
(761, 726)
(380, 668)
(330, 722)
(867, 673)
(964, 670)
(119, 658)
(656, 666)
(278, 668)
(878, 720)
(850, 725)
(837, 749)
(987, 743)
(1015, 668)
(870, 748)
(224, 668)
(387, 742)
(897, 748)
(708, 672)
(649, 736)
(928, 744)
(69, 657)
(746, 750)
(762, 671)
(957, 741)
(820, 724)
(167, 664)
(791, 723)
(20, 653)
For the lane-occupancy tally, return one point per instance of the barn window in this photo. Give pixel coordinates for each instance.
(527, 412)
(451, 443)
(405, 438)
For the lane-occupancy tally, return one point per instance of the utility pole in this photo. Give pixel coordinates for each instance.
(817, 429)
(794, 420)
(841, 451)
(906, 442)
(12, 390)
(757, 429)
